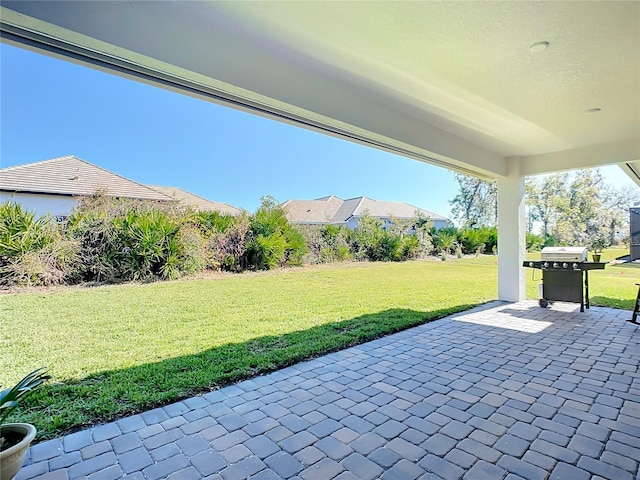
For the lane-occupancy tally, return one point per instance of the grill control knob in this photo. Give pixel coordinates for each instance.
(546, 265)
(575, 265)
(564, 265)
(555, 265)
(531, 264)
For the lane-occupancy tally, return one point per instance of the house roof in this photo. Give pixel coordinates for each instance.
(195, 201)
(71, 175)
(321, 210)
(335, 210)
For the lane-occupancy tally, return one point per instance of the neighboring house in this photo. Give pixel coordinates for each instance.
(53, 186)
(335, 211)
(196, 202)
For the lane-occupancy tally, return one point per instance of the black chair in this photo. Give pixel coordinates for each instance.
(634, 318)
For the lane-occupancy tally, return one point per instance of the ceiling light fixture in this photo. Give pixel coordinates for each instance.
(538, 47)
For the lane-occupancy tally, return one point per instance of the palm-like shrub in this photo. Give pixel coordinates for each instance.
(148, 245)
(134, 240)
(273, 241)
(445, 240)
(364, 239)
(33, 250)
(10, 398)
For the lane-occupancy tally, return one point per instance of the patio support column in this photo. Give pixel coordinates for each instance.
(511, 233)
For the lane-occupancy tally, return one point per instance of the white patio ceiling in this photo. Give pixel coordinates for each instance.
(450, 83)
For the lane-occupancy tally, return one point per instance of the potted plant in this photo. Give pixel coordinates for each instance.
(15, 438)
(597, 246)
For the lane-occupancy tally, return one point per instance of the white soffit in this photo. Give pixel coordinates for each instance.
(453, 83)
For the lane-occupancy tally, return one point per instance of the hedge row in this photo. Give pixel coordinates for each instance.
(116, 240)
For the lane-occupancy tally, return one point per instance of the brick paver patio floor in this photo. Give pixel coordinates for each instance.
(502, 391)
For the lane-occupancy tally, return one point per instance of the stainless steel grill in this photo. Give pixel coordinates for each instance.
(565, 275)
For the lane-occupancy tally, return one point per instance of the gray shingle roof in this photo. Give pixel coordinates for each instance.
(322, 210)
(335, 210)
(71, 175)
(199, 203)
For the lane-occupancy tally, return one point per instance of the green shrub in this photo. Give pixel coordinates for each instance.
(266, 252)
(90, 224)
(272, 240)
(32, 249)
(411, 247)
(22, 232)
(364, 239)
(325, 243)
(211, 222)
(124, 240)
(534, 242)
(474, 240)
(228, 247)
(388, 248)
(445, 239)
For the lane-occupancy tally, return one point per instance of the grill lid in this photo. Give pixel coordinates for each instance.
(564, 254)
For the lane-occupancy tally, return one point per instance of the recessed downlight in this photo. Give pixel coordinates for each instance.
(593, 110)
(538, 47)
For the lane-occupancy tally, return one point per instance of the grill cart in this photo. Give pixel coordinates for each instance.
(565, 275)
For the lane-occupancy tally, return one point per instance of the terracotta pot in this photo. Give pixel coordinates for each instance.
(596, 257)
(12, 458)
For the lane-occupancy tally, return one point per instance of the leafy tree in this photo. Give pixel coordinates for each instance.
(578, 208)
(476, 204)
(546, 196)
(616, 203)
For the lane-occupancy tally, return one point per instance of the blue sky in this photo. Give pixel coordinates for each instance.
(51, 108)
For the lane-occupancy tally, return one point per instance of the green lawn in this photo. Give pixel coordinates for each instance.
(117, 350)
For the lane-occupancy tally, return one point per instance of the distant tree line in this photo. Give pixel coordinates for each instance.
(578, 208)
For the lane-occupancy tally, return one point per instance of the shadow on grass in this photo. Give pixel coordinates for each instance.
(61, 408)
(623, 303)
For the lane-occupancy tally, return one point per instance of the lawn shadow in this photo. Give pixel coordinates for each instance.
(61, 408)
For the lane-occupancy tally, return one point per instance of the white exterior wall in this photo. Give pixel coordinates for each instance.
(41, 204)
(511, 233)
(438, 224)
(353, 222)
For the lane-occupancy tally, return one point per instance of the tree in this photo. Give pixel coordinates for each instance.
(579, 208)
(546, 197)
(616, 202)
(476, 204)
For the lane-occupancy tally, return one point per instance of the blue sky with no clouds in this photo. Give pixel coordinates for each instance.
(52, 108)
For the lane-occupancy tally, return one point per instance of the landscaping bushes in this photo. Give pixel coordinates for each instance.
(326, 243)
(124, 240)
(370, 241)
(113, 240)
(273, 241)
(33, 250)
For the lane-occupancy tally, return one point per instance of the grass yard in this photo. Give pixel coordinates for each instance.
(117, 350)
